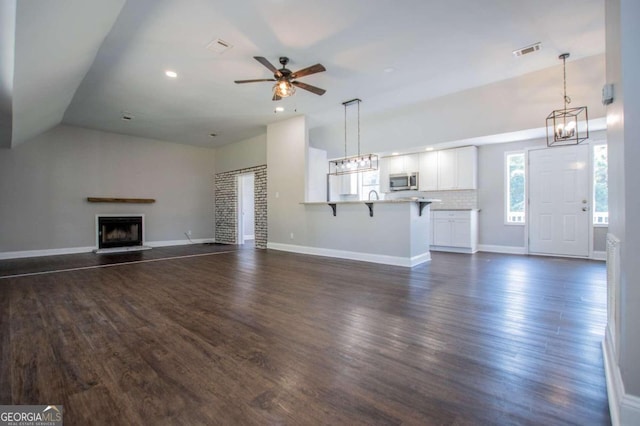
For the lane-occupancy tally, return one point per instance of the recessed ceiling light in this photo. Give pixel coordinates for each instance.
(395, 153)
(279, 109)
(171, 74)
(429, 148)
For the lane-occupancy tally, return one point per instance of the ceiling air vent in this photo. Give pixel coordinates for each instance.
(528, 49)
(219, 46)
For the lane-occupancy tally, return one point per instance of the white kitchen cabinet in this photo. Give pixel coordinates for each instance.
(428, 168)
(403, 163)
(346, 184)
(397, 164)
(411, 163)
(457, 168)
(454, 230)
(447, 169)
(384, 173)
(467, 167)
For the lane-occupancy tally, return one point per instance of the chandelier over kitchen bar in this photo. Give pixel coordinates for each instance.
(355, 163)
(567, 126)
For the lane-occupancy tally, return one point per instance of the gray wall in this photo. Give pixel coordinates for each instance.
(287, 151)
(242, 154)
(506, 106)
(44, 184)
(623, 118)
(491, 193)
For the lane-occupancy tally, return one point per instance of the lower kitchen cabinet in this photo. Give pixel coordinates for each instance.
(454, 230)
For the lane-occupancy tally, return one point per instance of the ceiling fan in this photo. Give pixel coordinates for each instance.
(286, 81)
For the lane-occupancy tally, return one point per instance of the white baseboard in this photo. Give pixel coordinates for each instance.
(624, 408)
(46, 252)
(599, 255)
(74, 250)
(502, 249)
(168, 243)
(407, 262)
(453, 249)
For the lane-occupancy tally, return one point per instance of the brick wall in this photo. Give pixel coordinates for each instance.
(226, 198)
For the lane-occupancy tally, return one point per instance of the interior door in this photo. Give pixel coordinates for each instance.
(559, 208)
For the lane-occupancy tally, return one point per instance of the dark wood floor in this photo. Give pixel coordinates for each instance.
(265, 337)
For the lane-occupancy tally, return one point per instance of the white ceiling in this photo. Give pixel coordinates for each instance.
(85, 62)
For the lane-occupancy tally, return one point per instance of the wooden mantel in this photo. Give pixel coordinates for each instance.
(120, 200)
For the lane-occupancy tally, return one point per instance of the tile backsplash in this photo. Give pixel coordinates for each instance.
(451, 200)
(463, 199)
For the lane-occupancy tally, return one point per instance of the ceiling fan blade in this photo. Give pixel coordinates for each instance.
(312, 89)
(267, 64)
(254, 81)
(309, 70)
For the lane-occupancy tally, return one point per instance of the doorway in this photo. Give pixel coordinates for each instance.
(246, 208)
(559, 207)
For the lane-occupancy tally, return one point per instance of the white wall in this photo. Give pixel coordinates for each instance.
(248, 206)
(44, 184)
(242, 154)
(507, 106)
(623, 130)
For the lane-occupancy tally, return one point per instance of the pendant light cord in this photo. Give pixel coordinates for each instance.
(358, 127)
(345, 131)
(567, 99)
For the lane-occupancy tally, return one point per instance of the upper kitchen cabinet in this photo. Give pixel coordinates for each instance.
(428, 178)
(397, 164)
(403, 163)
(458, 168)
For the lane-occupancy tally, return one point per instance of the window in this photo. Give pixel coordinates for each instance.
(600, 187)
(370, 181)
(515, 188)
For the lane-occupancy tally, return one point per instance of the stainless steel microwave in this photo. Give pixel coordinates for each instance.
(403, 181)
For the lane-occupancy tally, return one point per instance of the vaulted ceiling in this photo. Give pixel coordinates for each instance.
(88, 62)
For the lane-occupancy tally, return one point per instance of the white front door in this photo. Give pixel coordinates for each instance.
(559, 201)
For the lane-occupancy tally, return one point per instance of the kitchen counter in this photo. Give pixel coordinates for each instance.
(393, 232)
(433, 209)
(396, 201)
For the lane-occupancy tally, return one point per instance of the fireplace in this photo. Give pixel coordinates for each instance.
(119, 232)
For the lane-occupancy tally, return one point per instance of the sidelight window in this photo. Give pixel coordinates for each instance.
(600, 186)
(515, 188)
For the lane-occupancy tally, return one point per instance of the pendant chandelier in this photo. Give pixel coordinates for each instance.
(567, 126)
(355, 163)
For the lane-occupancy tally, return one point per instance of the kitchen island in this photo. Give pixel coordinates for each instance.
(393, 232)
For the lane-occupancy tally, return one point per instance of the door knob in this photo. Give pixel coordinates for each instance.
(584, 201)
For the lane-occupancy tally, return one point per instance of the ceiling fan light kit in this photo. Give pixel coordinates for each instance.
(567, 126)
(355, 163)
(286, 80)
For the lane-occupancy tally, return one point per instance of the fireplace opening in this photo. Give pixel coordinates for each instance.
(119, 231)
